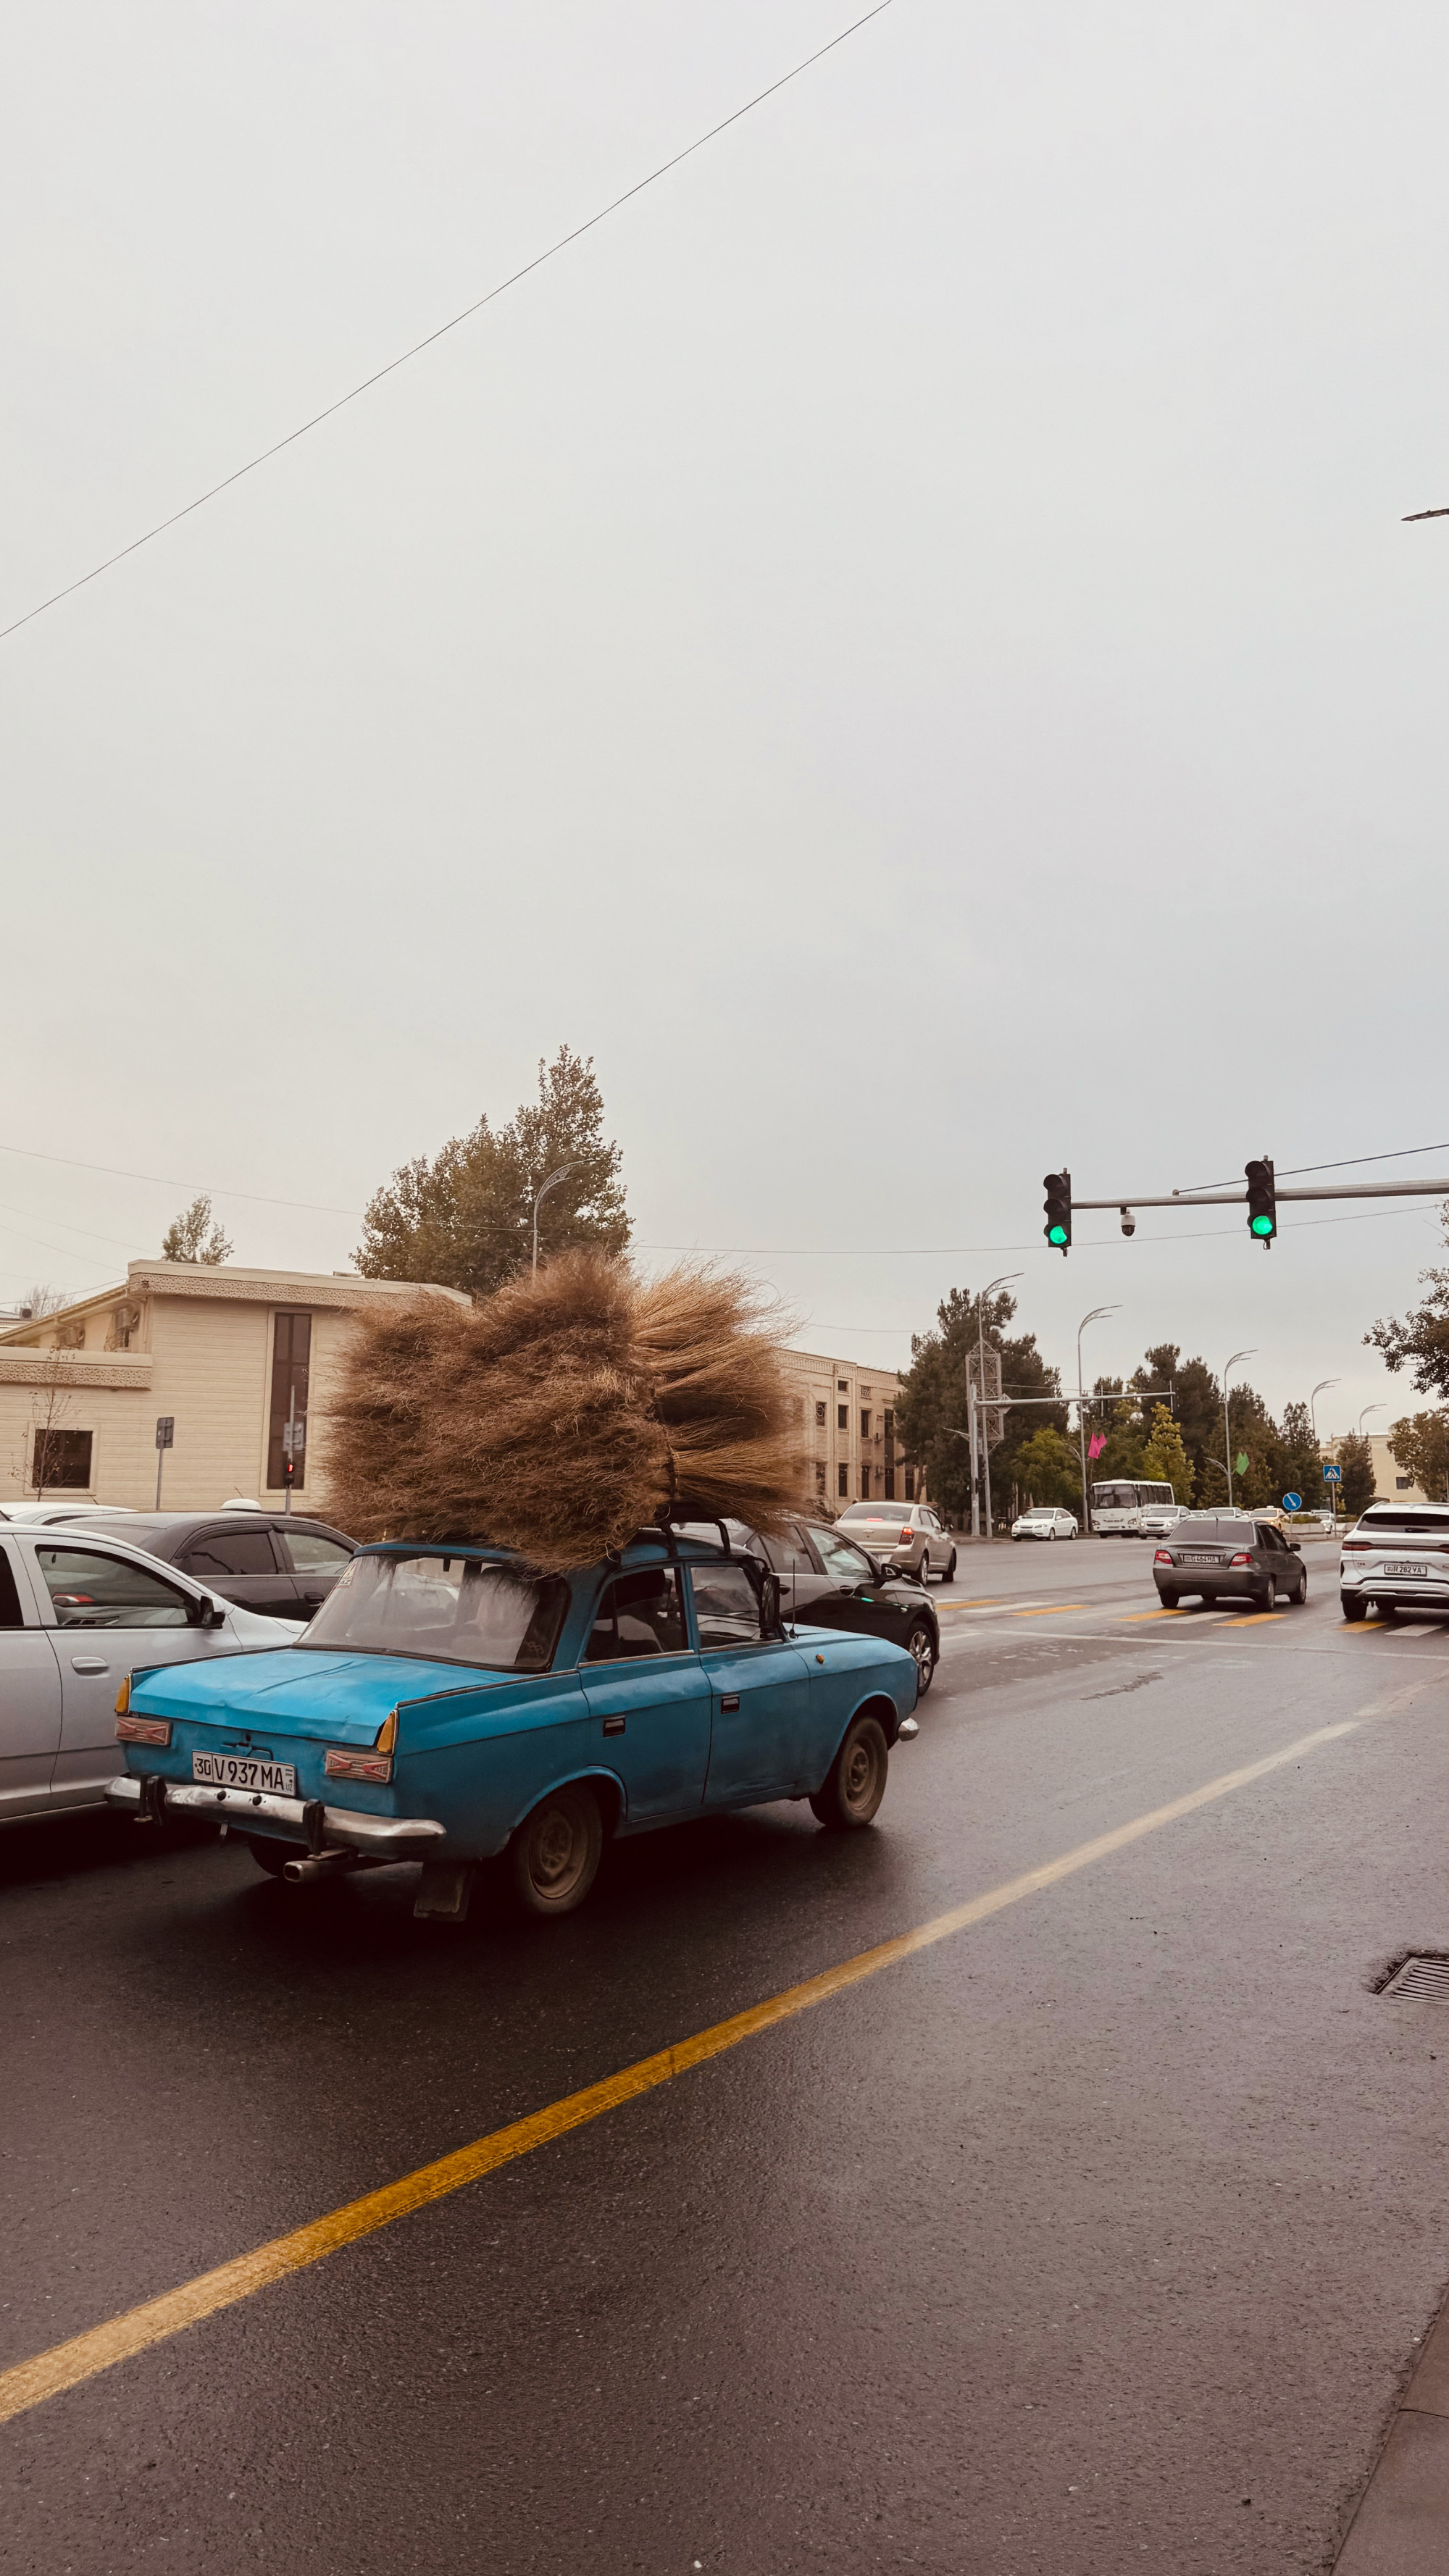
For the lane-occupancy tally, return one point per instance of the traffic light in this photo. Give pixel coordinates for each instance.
(1262, 1203)
(1058, 1227)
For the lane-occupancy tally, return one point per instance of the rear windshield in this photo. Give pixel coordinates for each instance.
(1400, 1517)
(1217, 1533)
(877, 1512)
(443, 1609)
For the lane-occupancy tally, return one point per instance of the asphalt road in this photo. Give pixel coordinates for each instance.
(1100, 2233)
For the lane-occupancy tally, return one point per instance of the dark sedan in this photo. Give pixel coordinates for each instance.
(273, 1562)
(1229, 1556)
(827, 1581)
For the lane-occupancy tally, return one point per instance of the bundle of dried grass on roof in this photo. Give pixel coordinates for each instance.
(561, 1414)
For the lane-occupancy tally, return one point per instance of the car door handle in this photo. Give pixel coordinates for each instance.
(729, 1700)
(89, 1664)
(613, 1726)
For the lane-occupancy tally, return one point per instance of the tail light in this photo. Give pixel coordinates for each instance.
(1242, 1558)
(906, 1536)
(342, 1764)
(143, 1730)
(1357, 1546)
(1163, 1556)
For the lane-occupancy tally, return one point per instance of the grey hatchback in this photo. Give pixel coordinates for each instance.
(1220, 1553)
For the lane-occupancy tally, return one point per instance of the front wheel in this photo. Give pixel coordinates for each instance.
(1301, 1595)
(1071, 1533)
(1353, 1605)
(555, 1852)
(921, 1644)
(854, 1785)
(951, 1567)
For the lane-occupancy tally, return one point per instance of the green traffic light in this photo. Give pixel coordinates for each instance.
(1056, 1234)
(1261, 1225)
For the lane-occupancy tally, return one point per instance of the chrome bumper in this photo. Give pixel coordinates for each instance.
(344, 1828)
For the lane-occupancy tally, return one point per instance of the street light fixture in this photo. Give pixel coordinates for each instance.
(1095, 1317)
(541, 1194)
(1227, 1427)
(1312, 1416)
(1006, 1277)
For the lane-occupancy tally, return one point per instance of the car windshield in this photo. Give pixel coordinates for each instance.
(444, 1609)
(1114, 1498)
(1218, 1529)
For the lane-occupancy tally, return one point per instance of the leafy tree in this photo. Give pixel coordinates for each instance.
(1356, 1458)
(193, 1237)
(1420, 1443)
(1165, 1457)
(1302, 1466)
(465, 1219)
(931, 1405)
(1047, 1468)
(1420, 1340)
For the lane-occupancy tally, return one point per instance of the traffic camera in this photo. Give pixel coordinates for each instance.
(1262, 1202)
(1058, 1227)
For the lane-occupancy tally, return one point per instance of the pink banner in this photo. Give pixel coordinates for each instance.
(1096, 1444)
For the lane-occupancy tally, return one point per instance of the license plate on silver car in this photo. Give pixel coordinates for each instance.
(1199, 1560)
(242, 1771)
(1407, 1569)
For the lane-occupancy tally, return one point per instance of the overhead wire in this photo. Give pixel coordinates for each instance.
(429, 340)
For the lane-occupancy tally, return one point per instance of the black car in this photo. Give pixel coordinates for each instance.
(275, 1562)
(827, 1581)
(1221, 1555)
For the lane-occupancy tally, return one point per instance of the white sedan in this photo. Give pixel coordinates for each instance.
(77, 1614)
(1045, 1522)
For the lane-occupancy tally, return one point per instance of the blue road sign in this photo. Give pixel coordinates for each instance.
(1333, 1475)
(1293, 1502)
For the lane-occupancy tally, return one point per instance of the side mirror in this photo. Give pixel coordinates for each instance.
(770, 1605)
(209, 1613)
(1297, 1546)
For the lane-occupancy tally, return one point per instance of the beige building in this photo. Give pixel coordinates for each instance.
(1391, 1485)
(232, 1357)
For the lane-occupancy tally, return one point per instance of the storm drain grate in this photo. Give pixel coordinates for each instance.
(1422, 1980)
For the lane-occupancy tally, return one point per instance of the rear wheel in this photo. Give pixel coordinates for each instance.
(854, 1785)
(555, 1852)
(1352, 1605)
(1387, 1609)
(1168, 1600)
(922, 1645)
(271, 1855)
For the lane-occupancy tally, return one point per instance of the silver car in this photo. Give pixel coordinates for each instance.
(909, 1536)
(77, 1615)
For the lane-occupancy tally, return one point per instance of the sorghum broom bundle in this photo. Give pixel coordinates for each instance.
(561, 1414)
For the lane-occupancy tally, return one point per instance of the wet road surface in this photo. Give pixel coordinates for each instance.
(1101, 2233)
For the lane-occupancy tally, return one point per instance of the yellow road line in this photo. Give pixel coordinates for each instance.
(1130, 1618)
(84, 2356)
(1250, 1619)
(1053, 1610)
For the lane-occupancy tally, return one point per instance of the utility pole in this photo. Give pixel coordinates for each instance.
(1004, 1281)
(1095, 1317)
(1227, 1428)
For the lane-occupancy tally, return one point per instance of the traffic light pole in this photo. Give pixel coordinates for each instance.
(1125, 1200)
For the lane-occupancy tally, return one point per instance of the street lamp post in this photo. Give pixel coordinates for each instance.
(1313, 1421)
(1227, 1427)
(1002, 1282)
(541, 1194)
(1362, 1419)
(1095, 1317)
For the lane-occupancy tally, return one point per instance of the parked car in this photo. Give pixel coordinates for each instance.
(31, 1513)
(77, 1611)
(909, 1535)
(1396, 1558)
(1159, 1518)
(449, 1705)
(1045, 1520)
(276, 1563)
(828, 1580)
(1224, 1556)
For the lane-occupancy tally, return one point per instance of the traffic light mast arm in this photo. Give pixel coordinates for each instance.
(1239, 1198)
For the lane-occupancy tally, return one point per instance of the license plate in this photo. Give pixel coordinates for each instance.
(1199, 1560)
(1407, 1569)
(240, 1771)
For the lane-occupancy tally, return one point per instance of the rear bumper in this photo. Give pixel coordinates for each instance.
(342, 1828)
(1388, 1587)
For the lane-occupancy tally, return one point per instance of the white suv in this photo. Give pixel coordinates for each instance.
(1396, 1559)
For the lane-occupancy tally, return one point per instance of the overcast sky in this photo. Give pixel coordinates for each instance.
(901, 644)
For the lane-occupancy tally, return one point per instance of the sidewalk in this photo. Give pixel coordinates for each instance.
(1401, 2527)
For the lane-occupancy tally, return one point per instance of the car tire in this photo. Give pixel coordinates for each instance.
(922, 1645)
(1168, 1600)
(855, 1783)
(1071, 1533)
(1353, 1605)
(554, 1856)
(951, 1567)
(1268, 1597)
(1300, 1596)
(271, 1854)
(1209, 1600)
(1387, 1609)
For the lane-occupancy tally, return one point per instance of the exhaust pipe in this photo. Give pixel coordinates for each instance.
(328, 1864)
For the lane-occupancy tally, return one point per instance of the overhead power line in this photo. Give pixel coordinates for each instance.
(431, 337)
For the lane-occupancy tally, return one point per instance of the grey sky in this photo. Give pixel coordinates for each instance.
(901, 644)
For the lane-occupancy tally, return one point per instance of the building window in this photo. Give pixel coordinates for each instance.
(1402, 1484)
(842, 1417)
(819, 1417)
(910, 1484)
(61, 1458)
(291, 1361)
(865, 1426)
(819, 1475)
(865, 1484)
(842, 1480)
(889, 1423)
(890, 1484)
(842, 1386)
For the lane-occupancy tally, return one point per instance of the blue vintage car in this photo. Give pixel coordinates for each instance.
(448, 1705)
